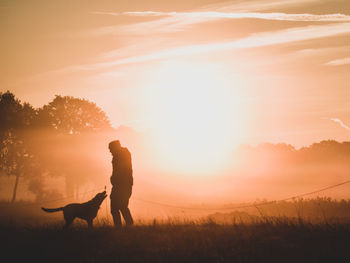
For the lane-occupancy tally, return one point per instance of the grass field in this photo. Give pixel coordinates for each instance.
(264, 241)
(30, 235)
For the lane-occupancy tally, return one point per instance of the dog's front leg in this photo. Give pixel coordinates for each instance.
(68, 223)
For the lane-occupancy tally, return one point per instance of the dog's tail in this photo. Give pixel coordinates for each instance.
(51, 210)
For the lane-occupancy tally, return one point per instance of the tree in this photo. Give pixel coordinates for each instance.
(64, 137)
(70, 128)
(68, 115)
(16, 159)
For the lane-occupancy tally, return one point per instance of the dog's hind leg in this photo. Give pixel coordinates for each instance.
(69, 221)
(90, 223)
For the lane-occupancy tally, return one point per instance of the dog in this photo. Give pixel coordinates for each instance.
(86, 211)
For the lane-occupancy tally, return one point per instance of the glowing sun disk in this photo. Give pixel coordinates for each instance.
(191, 113)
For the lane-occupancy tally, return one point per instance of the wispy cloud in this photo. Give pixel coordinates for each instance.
(257, 5)
(339, 62)
(178, 21)
(341, 123)
(222, 15)
(256, 40)
(123, 55)
(225, 7)
(107, 13)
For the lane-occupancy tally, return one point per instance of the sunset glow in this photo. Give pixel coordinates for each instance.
(175, 131)
(192, 115)
(184, 85)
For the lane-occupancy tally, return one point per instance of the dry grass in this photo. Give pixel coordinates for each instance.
(27, 237)
(265, 241)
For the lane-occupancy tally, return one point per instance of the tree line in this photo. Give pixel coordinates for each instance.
(40, 141)
(68, 135)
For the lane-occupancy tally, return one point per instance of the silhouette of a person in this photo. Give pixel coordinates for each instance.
(122, 182)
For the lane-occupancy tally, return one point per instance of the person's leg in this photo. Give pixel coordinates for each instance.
(114, 210)
(127, 216)
(117, 219)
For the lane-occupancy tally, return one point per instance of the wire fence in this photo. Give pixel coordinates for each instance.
(248, 205)
(196, 207)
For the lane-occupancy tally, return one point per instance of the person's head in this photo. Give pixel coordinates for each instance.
(114, 147)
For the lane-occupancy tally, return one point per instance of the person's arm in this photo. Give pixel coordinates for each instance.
(131, 171)
(114, 172)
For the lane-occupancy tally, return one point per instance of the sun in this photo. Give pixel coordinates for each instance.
(192, 116)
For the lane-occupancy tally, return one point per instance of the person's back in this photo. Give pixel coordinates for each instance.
(122, 169)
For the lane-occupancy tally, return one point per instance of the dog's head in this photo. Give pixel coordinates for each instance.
(100, 197)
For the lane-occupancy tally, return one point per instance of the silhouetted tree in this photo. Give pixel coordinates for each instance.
(321, 161)
(69, 126)
(68, 115)
(16, 159)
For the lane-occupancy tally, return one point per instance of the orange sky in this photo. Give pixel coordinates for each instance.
(246, 71)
